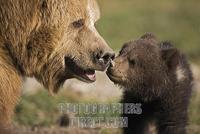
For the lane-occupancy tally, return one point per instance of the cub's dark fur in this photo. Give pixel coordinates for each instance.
(158, 76)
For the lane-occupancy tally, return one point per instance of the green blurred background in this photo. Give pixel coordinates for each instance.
(174, 20)
(123, 20)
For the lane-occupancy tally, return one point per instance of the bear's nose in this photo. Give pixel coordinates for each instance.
(105, 58)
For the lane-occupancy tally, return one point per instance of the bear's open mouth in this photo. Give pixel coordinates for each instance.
(86, 75)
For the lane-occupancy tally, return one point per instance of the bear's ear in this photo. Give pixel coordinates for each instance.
(148, 36)
(169, 54)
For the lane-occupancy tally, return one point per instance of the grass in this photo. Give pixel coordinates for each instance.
(40, 109)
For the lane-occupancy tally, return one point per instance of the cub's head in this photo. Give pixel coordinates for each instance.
(143, 62)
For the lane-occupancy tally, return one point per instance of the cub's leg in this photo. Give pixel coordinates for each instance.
(168, 129)
(175, 124)
(136, 124)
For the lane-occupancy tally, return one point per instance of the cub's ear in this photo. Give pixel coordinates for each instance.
(148, 36)
(169, 54)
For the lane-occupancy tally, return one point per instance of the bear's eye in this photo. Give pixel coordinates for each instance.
(44, 4)
(132, 62)
(79, 23)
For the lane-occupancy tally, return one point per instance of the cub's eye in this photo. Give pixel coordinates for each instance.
(79, 23)
(132, 62)
(120, 52)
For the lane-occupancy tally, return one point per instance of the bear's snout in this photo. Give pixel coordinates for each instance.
(105, 58)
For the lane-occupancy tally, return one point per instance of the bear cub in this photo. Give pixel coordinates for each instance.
(156, 75)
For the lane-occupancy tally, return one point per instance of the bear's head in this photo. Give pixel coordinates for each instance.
(54, 40)
(144, 63)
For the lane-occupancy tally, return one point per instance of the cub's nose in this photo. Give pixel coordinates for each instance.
(105, 58)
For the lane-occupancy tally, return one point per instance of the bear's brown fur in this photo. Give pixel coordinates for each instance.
(51, 40)
(158, 76)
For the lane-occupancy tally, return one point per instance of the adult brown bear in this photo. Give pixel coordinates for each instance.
(51, 40)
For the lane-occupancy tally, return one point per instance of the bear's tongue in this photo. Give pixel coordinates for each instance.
(90, 75)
